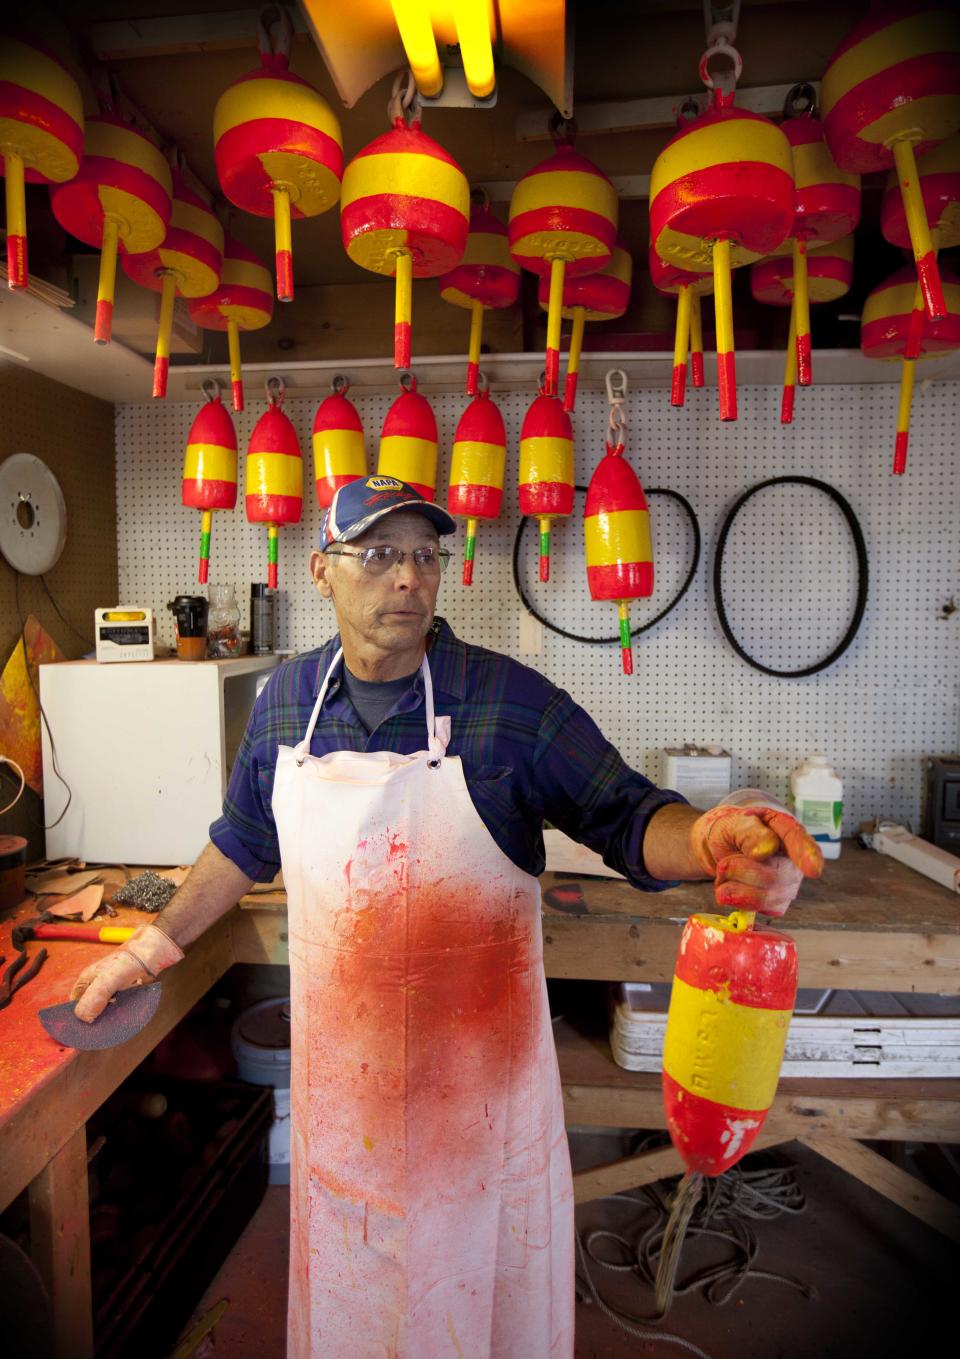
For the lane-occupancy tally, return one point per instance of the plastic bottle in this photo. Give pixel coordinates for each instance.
(223, 623)
(817, 795)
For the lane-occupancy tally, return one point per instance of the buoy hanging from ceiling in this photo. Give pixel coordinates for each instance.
(277, 144)
(487, 277)
(476, 469)
(688, 288)
(242, 301)
(210, 468)
(602, 296)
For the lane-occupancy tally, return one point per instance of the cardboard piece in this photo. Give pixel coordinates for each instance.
(85, 903)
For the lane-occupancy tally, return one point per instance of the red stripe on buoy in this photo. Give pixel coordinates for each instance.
(546, 498)
(475, 502)
(786, 404)
(284, 276)
(439, 244)
(208, 495)
(401, 344)
(580, 221)
(274, 509)
(623, 580)
(244, 179)
(697, 1124)
(763, 976)
(727, 383)
(161, 367)
(678, 386)
(103, 324)
(26, 106)
(696, 204)
(406, 141)
(102, 171)
(930, 75)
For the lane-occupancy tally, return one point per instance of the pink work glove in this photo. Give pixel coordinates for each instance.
(756, 852)
(139, 960)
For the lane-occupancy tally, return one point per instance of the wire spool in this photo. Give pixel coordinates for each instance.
(242, 301)
(405, 210)
(602, 296)
(210, 468)
(688, 288)
(274, 475)
(563, 223)
(486, 277)
(827, 205)
(896, 325)
(829, 273)
(186, 264)
(41, 135)
(477, 469)
(891, 92)
(339, 454)
(119, 200)
(721, 196)
(277, 146)
(408, 440)
(616, 530)
(546, 468)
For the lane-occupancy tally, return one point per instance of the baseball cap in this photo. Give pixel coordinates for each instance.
(361, 503)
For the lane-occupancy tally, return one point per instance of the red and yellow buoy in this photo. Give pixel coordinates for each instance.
(119, 200)
(938, 179)
(408, 440)
(41, 135)
(827, 201)
(616, 528)
(891, 92)
(486, 277)
(734, 988)
(277, 146)
(895, 325)
(563, 223)
(602, 296)
(829, 270)
(721, 195)
(476, 469)
(339, 455)
(243, 301)
(546, 468)
(210, 468)
(186, 264)
(688, 288)
(274, 475)
(405, 211)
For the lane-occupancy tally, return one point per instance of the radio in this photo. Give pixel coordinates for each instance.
(124, 633)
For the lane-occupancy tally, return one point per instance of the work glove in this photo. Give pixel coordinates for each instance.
(755, 851)
(139, 960)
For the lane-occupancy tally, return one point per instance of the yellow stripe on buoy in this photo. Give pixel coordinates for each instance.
(408, 176)
(411, 460)
(212, 462)
(249, 100)
(572, 188)
(617, 535)
(274, 474)
(917, 35)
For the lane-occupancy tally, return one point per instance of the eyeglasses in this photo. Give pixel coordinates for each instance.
(430, 561)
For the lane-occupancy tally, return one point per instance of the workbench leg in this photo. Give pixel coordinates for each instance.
(60, 1245)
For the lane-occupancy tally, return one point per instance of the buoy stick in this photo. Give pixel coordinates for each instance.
(554, 318)
(403, 310)
(16, 220)
(107, 280)
(918, 317)
(206, 526)
(273, 555)
(919, 228)
(681, 343)
(696, 341)
(283, 242)
(723, 303)
(903, 417)
(800, 312)
(473, 349)
(626, 648)
(470, 548)
(545, 547)
(573, 358)
(790, 370)
(161, 364)
(236, 373)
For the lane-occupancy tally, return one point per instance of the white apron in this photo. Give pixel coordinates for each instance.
(430, 1185)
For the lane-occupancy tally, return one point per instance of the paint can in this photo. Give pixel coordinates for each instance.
(260, 1041)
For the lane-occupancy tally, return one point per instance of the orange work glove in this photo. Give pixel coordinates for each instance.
(139, 960)
(757, 855)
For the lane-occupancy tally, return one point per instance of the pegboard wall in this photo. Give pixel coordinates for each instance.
(789, 577)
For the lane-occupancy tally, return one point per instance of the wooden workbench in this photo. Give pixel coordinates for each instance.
(868, 924)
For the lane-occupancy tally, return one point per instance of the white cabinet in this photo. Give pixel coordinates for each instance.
(146, 750)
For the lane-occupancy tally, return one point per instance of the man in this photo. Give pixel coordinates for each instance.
(402, 778)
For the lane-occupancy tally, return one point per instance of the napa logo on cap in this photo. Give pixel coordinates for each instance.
(383, 484)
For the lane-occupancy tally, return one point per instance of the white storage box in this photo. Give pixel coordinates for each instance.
(700, 773)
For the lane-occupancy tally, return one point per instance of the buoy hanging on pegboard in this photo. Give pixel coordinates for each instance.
(242, 301)
(339, 453)
(616, 525)
(487, 277)
(891, 92)
(477, 468)
(277, 144)
(41, 135)
(406, 208)
(603, 296)
(274, 475)
(563, 223)
(187, 263)
(120, 200)
(546, 468)
(895, 325)
(408, 440)
(210, 468)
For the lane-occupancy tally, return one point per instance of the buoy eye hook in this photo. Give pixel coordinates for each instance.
(408, 382)
(276, 390)
(340, 385)
(562, 130)
(725, 83)
(274, 50)
(211, 389)
(404, 104)
(483, 383)
(616, 384)
(801, 101)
